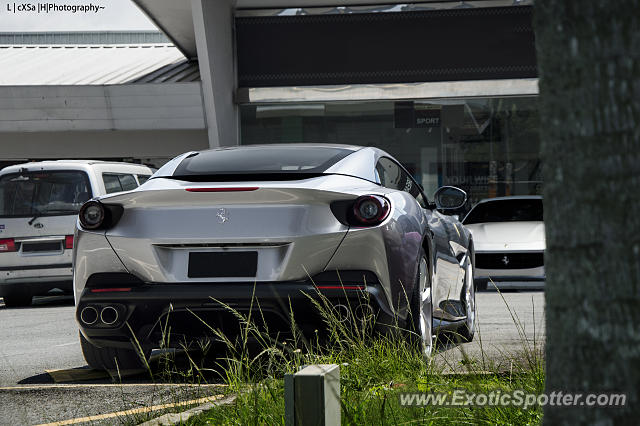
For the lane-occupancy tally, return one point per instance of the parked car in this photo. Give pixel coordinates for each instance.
(39, 204)
(508, 233)
(270, 226)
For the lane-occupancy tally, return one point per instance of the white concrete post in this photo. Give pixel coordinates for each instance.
(312, 396)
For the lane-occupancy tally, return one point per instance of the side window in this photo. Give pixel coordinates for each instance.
(143, 178)
(390, 173)
(395, 177)
(111, 183)
(128, 182)
(114, 182)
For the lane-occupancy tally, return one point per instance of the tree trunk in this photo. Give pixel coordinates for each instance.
(589, 64)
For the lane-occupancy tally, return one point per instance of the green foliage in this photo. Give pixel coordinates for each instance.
(375, 368)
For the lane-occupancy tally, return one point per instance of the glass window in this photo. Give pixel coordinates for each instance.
(489, 147)
(514, 210)
(393, 176)
(45, 193)
(143, 178)
(286, 159)
(111, 183)
(116, 182)
(390, 173)
(128, 182)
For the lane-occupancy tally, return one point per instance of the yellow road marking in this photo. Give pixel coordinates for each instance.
(133, 411)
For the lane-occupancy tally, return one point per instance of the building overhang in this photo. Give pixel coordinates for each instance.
(175, 18)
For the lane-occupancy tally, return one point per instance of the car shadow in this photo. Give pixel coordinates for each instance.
(161, 373)
(48, 301)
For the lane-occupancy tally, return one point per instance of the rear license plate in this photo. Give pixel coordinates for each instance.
(223, 264)
(35, 247)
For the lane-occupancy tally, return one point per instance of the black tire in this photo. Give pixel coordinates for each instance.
(112, 359)
(415, 306)
(16, 300)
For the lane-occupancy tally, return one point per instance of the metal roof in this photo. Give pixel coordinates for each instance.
(83, 37)
(88, 64)
(177, 72)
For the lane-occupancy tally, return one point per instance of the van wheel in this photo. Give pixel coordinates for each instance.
(112, 359)
(16, 300)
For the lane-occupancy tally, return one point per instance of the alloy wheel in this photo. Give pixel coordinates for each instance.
(426, 317)
(470, 298)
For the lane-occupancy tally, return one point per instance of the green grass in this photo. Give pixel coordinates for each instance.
(379, 404)
(375, 369)
(372, 377)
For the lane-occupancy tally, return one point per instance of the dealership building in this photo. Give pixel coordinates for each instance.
(449, 88)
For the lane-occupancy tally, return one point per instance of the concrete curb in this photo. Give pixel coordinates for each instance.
(175, 418)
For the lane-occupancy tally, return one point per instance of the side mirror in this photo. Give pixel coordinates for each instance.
(450, 198)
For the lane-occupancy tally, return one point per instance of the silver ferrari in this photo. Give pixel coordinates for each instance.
(273, 226)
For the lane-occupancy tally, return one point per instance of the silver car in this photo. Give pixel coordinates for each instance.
(276, 225)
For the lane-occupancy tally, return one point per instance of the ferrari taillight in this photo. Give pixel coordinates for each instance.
(68, 242)
(7, 245)
(367, 210)
(370, 210)
(94, 215)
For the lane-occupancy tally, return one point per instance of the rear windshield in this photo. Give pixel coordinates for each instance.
(524, 210)
(261, 161)
(43, 193)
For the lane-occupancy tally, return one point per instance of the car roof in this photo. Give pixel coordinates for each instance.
(73, 164)
(360, 162)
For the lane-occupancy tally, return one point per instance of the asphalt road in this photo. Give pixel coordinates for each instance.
(510, 329)
(45, 337)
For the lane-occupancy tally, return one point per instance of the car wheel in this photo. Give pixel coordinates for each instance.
(112, 359)
(421, 309)
(467, 329)
(16, 300)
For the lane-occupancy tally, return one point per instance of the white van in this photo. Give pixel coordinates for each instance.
(39, 204)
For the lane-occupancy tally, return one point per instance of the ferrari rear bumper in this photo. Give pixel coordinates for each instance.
(172, 314)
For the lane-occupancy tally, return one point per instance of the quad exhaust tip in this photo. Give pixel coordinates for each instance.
(109, 315)
(362, 312)
(89, 315)
(341, 312)
(365, 313)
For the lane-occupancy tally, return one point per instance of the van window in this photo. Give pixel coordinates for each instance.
(43, 193)
(116, 182)
(143, 178)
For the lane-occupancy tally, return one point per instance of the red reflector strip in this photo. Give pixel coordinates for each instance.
(243, 189)
(7, 245)
(108, 290)
(341, 287)
(68, 242)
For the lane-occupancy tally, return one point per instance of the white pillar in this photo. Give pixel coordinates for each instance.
(312, 396)
(213, 26)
